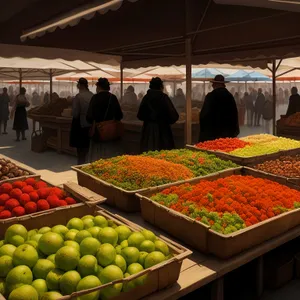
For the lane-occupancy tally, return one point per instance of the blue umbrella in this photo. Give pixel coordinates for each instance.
(208, 73)
(244, 76)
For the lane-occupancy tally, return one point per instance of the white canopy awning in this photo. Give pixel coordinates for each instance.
(38, 62)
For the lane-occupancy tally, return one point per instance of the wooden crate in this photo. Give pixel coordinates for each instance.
(202, 238)
(246, 161)
(81, 194)
(124, 200)
(20, 166)
(159, 277)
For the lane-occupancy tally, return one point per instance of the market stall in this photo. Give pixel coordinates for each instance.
(179, 275)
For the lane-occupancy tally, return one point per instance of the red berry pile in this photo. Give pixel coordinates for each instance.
(29, 196)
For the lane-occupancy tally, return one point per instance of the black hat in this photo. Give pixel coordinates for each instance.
(82, 81)
(103, 83)
(219, 79)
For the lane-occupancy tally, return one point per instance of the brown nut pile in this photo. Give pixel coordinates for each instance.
(286, 166)
(10, 170)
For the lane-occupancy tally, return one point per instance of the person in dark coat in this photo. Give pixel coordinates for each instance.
(20, 114)
(79, 135)
(219, 114)
(259, 107)
(158, 113)
(4, 110)
(249, 108)
(294, 102)
(104, 106)
(179, 101)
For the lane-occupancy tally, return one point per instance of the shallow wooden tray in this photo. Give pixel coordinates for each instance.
(201, 237)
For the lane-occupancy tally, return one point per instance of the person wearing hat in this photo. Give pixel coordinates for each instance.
(158, 113)
(79, 136)
(219, 114)
(104, 106)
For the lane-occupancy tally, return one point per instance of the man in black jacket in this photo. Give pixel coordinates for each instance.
(219, 115)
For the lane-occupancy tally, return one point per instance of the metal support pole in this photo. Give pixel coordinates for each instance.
(20, 78)
(188, 121)
(174, 88)
(51, 84)
(122, 79)
(274, 68)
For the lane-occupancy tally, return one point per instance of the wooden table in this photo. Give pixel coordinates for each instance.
(57, 131)
(200, 270)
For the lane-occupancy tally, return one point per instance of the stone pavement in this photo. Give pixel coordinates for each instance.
(53, 167)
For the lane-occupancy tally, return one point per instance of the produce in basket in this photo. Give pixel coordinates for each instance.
(223, 145)
(287, 166)
(29, 196)
(251, 146)
(9, 170)
(200, 163)
(137, 172)
(231, 203)
(52, 262)
(155, 168)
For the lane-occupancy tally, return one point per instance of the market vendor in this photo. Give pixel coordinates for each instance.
(79, 136)
(219, 115)
(294, 102)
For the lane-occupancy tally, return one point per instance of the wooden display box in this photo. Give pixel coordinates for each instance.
(124, 200)
(201, 237)
(159, 277)
(247, 161)
(20, 166)
(81, 194)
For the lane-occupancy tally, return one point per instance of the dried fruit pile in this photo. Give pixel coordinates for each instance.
(10, 170)
(287, 166)
(29, 196)
(251, 146)
(232, 203)
(47, 263)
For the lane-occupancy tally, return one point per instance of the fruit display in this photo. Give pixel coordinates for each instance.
(48, 263)
(293, 120)
(223, 145)
(30, 196)
(200, 163)
(286, 166)
(54, 108)
(232, 203)
(155, 168)
(251, 146)
(10, 170)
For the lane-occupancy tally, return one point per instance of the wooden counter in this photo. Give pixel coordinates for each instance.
(56, 131)
(133, 131)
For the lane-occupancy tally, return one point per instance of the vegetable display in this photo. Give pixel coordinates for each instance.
(155, 168)
(232, 203)
(10, 170)
(287, 166)
(293, 120)
(250, 146)
(200, 163)
(137, 172)
(47, 263)
(29, 196)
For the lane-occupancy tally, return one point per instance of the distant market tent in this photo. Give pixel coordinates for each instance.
(207, 74)
(244, 76)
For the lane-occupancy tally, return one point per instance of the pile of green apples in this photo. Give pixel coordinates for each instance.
(47, 263)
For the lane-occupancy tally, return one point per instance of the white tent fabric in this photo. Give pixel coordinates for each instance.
(60, 58)
(36, 62)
